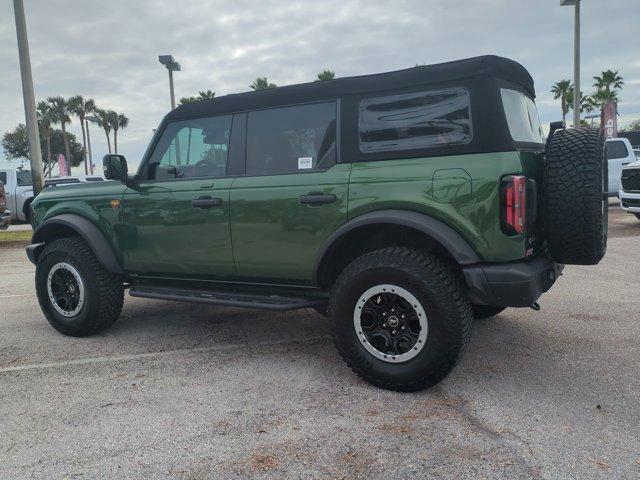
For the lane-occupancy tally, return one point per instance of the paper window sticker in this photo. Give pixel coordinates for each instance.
(305, 163)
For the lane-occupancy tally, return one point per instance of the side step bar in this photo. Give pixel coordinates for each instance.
(265, 302)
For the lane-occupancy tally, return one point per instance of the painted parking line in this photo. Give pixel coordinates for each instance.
(163, 353)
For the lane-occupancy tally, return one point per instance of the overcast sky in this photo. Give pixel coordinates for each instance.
(108, 50)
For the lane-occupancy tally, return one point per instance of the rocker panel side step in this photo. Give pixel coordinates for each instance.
(231, 299)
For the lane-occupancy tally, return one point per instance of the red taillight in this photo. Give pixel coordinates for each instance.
(514, 204)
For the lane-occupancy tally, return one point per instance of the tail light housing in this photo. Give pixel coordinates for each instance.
(513, 204)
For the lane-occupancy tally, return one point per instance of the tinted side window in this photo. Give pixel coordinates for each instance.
(191, 149)
(616, 149)
(24, 178)
(3, 177)
(416, 120)
(291, 139)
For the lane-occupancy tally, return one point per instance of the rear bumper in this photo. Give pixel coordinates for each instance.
(5, 219)
(517, 284)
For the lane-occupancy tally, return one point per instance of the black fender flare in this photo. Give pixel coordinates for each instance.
(86, 229)
(450, 239)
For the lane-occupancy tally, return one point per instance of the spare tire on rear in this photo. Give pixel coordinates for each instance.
(575, 209)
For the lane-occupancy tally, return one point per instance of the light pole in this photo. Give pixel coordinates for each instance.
(86, 122)
(172, 66)
(35, 154)
(576, 59)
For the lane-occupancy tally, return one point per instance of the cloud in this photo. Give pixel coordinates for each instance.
(108, 50)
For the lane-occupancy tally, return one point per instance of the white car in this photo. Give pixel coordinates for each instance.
(629, 192)
(19, 191)
(619, 154)
(52, 182)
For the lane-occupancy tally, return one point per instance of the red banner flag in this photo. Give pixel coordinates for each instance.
(63, 168)
(609, 119)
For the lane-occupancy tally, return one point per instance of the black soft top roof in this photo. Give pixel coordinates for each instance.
(484, 66)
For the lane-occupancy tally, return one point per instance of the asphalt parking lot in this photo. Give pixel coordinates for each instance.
(191, 392)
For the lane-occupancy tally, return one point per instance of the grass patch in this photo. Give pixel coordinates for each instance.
(23, 236)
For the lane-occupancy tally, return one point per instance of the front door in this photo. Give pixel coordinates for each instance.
(292, 195)
(177, 215)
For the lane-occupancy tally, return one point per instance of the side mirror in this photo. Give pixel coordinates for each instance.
(115, 168)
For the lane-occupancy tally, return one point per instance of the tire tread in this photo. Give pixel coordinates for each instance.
(437, 274)
(110, 292)
(574, 226)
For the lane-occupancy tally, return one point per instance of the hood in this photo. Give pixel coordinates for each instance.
(82, 189)
(635, 164)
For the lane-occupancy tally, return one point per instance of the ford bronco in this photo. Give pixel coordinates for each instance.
(401, 205)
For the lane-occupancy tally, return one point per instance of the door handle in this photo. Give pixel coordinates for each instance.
(316, 198)
(625, 163)
(206, 202)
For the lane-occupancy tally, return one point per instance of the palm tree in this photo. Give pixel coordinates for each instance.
(202, 95)
(118, 122)
(609, 80)
(590, 104)
(326, 75)
(261, 83)
(60, 114)
(608, 84)
(112, 118)
(561, 90)
(81, 108)
(585, 101)
(104, 123)
(603, 96)
(45, 119)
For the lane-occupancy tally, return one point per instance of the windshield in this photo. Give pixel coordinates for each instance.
(522, 117)
(24, 178)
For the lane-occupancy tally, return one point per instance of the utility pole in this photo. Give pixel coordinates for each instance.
(576, 58)
(576, 67)
(171, 92)
(35, 154)
(173, 66)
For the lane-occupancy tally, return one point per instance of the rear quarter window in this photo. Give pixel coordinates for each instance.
(522, 117)
(413, 121)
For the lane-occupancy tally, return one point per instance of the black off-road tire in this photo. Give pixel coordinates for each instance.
(322, 309)
(637, 215)
(104, 291)
(439, 290)
(481, 312)
(575, 207)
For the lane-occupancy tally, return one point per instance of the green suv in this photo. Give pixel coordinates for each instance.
(401, 205)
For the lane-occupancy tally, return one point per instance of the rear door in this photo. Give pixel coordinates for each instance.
(176, 218)
(618, 155)
(292, 195)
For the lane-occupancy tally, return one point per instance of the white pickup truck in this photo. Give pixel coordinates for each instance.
(619, 154)
(19, 191)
